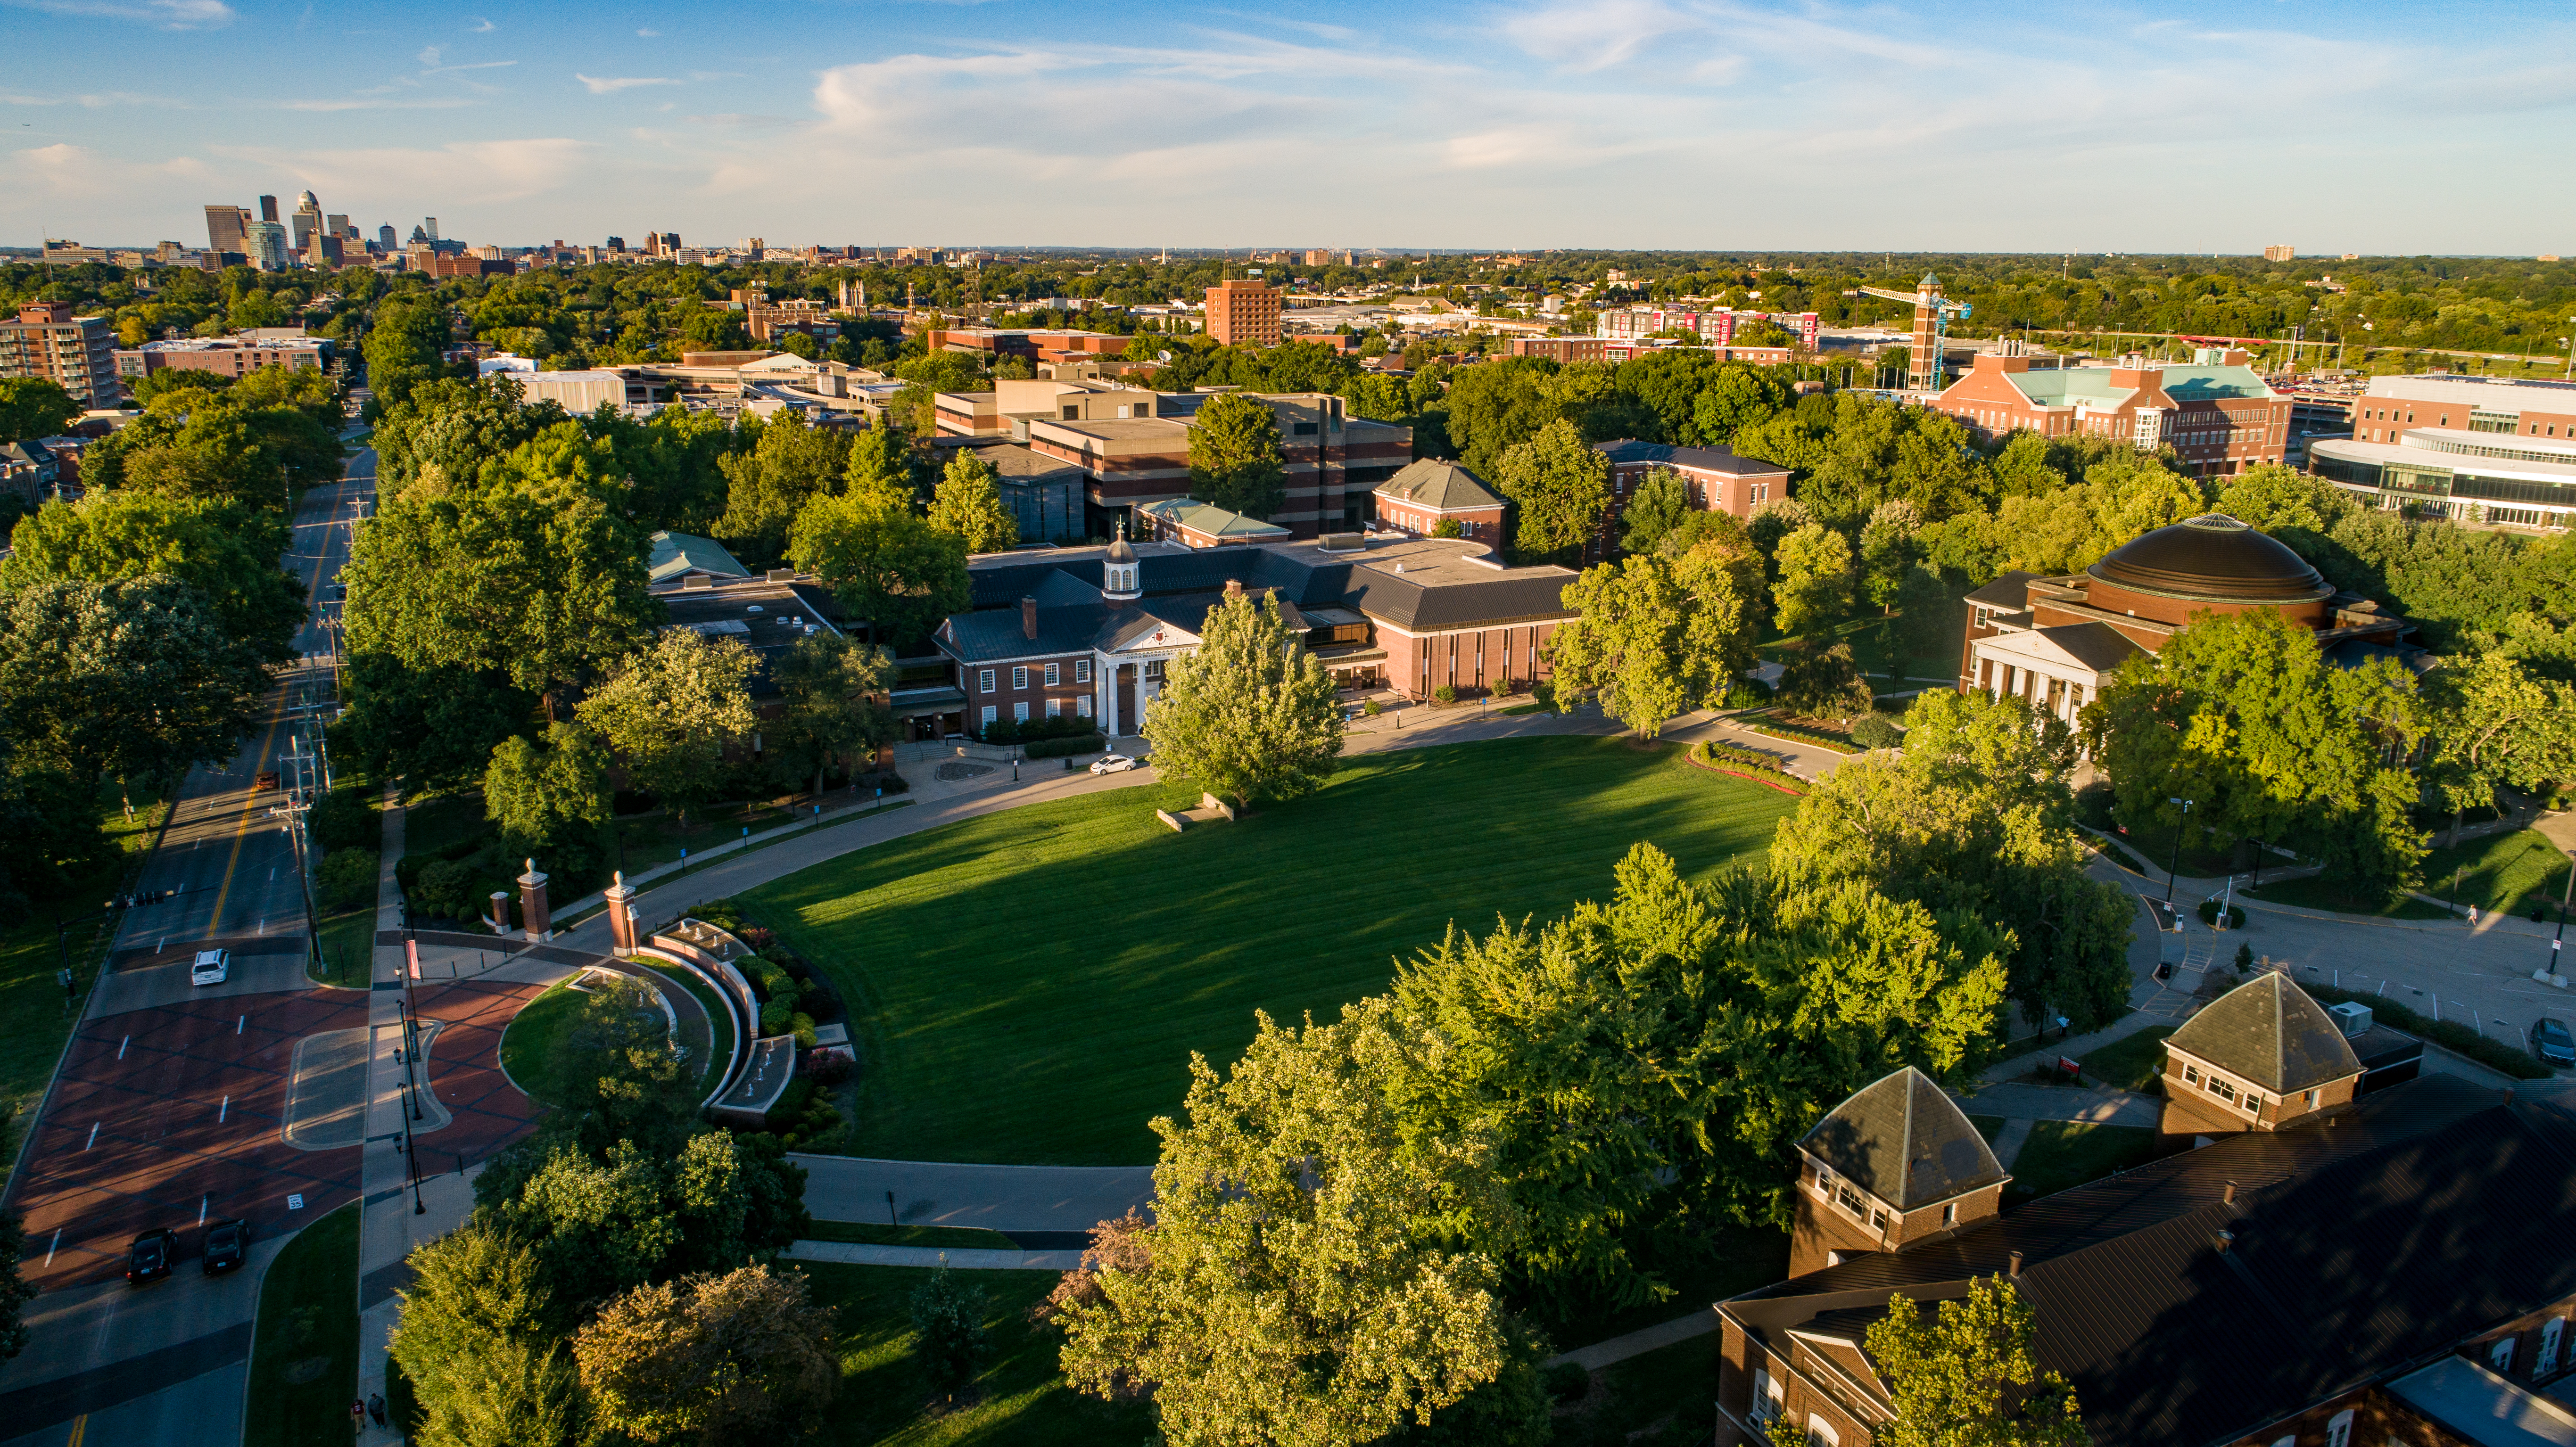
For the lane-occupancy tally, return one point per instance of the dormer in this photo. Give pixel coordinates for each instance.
(1896, 1163)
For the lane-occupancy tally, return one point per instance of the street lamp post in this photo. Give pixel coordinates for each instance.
(2176, 866)
(2557, 941)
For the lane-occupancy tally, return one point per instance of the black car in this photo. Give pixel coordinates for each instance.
(227, 1246)
(2551, 1042)
(149, 1258)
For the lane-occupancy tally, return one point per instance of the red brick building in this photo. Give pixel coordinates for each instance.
(79, 353)
(1716, 479)
(1243, 313)
(223, 356)
(1087, 633)
(1561, 349)
(1204, 525)
(2387, 1269)
(2056, 641)
(1423, 495)
(2217, 413)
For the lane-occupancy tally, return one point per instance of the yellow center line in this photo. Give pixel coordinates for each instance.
(80, 1429)
(250, 807)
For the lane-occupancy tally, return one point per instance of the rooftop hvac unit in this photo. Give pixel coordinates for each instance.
(2352, 1017)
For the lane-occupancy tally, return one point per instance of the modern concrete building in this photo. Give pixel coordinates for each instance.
(77, 352)
(2474, 449)
(2217, 413)
(1243, 313)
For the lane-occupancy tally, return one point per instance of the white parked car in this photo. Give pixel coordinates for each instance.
(211, 968)
(1112, 764)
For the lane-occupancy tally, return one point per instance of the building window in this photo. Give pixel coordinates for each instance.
(2222, 1089)
(1950, 1215)
(989, 715)
(2552, 1332)
(2339, 1429)
(1820, 1433)
(1082, 670)
(1848, 1199)
(1877, 1220)
(1825, 1182)
(984, 682)
(1019, 713)
(1154, 670)
(1019, 679)
(2500, 1355)
(1770, 1395)
(1054, 674)
(1055, 708)
(2309, 1099)
(2254, 1102)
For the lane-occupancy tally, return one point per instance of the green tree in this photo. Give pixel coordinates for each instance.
(1888, 551)
(427, 728)
(2495, 723)
(137, 680)
(948, 1331)
(1249, 716)
(969, 506)
(828, 706)
(2271, 498)
(1235, 456)
(2242, 714)
(1737, 397)
(34, 407)
(667, 710)
(226, 552)
(1655, 508)
(1967, 1376)
(405, 348)
(546, 791)
(1654, 638)
(1931, 617)
(534, 578)
(1561, 485)
(1823, 682)
(1974, 819)
(739, 1357)
(480, 1341)
(1815, 584)
(769, 485)
(886, 563)
(1496, 406)
(1297, 1292)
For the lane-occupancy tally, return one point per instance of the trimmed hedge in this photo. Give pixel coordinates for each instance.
(2449, 1034)
(1063, 748)
(2209, 914)
(1747, 761)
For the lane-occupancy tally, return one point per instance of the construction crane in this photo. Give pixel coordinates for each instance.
(1932, 316)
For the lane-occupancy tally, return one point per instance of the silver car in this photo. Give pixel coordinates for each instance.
(212, 967)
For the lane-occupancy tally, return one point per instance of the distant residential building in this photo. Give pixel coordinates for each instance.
(2217, 412)
(29, 472)
(2478, 449)
(2280, 253)
(1716, 326)
(769, 320)
(223, 356)
(78, 352)
(1243, 314)
(1560, 349)
(1714, 478)
(992, 344)
(1422, 495)
(442, 266)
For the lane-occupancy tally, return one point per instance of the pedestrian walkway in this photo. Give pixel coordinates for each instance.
(1637, 1343)
(2078, 1105)
(851, 1253)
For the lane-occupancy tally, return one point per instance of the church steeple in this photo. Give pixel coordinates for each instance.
(1118, 583)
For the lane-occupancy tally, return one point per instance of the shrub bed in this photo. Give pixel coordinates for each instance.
(1779, 728)
(1747, 763)
(1064, 748)
(2449, 1034)
(2209, 914)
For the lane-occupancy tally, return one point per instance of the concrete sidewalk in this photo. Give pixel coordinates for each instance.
(2080, 1105)
(994, 1198)
(851, 1253)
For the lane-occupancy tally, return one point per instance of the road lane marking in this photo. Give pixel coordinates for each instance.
(54, 1246)
(219, 1120)
(238, 1024)
(80, 1429)
(121, 1044)
(250, 811)
(93, 1136)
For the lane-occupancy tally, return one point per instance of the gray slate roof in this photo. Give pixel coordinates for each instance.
(1701, 459)
(1903, 1140)
(2270, 1032)
(2098, 646)
(2005, 592)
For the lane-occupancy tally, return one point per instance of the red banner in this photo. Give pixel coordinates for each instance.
(411, 953)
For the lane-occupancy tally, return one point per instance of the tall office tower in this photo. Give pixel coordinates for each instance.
(307, 223)
(224, 227)
(1243, 313)
(264, 242)
(617, 243)
(431, 222)
(268, 208)
(386, 240)
(338, 226)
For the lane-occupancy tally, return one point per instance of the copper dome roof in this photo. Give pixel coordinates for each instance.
(2212, 556)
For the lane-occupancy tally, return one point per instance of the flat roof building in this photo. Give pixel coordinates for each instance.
(223, 356)
(79, 353)
(2473, 449)
(1243, 313)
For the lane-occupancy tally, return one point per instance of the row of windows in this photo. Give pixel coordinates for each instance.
(1020, 676)
(2510, 454)
(1054, 709)
(2225, 1089)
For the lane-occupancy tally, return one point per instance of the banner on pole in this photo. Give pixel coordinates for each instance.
(411, 956)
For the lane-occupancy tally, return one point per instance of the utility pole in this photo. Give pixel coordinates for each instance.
(2175, 867)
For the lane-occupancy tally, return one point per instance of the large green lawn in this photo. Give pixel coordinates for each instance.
(1028, 986)
(34, 1017)
(2510, 872)
(304, 1368)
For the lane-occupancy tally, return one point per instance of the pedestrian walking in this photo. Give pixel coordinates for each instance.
(357, 1415)
(376, 1407)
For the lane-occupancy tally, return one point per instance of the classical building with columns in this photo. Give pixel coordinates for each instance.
(1088, 632)
(2057, 641)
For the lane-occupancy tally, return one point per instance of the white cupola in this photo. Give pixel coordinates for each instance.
(1118, 571)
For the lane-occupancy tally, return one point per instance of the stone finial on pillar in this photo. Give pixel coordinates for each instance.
(532, 904)
(621, 916)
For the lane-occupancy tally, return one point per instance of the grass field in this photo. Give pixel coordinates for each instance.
(1028, 986)
(304, 1366)
(2511, 872)
(2131, 1062)
(2060, 1154)
(2315, 891)
(884, 1398)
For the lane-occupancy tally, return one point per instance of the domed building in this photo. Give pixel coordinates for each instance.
(2057, 640)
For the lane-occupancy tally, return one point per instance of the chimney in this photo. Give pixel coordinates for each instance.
(2225, 1240)
(2227, 1196)
(2016, 1264)
(1233, 589)
(1028, 617)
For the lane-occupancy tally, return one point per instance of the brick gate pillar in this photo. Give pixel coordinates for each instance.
(532, 904)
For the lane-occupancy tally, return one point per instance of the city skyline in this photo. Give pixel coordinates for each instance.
(1608, 126)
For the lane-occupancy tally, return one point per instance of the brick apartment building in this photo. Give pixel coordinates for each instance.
(1561, 349)
(2477, 449)
(992, 344)
(79, 353)
(1715, 478)
(1088, 633)
(1243, 313)
(223, 356)
(1423, 495)
(1715, 326)
(2217, 413)
(2056, 641)
(2382, 1269)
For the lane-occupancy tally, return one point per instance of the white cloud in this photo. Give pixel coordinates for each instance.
(168, 14)
(75, 172)
(481, 26)
(606, 85)
(1592, 36)
(374, 103)
(648, 34)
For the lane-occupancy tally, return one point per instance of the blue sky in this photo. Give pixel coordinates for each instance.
(1625, 123)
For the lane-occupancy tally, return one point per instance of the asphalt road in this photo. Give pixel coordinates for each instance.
(166, 1364)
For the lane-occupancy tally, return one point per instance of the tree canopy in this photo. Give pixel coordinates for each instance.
(968, 506)
(1963, 1374)
(885, 562)
(1235, 456)
(1249, 715)
(1654, 637)
(226, 552)
(668, 709)
(1561, 485)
